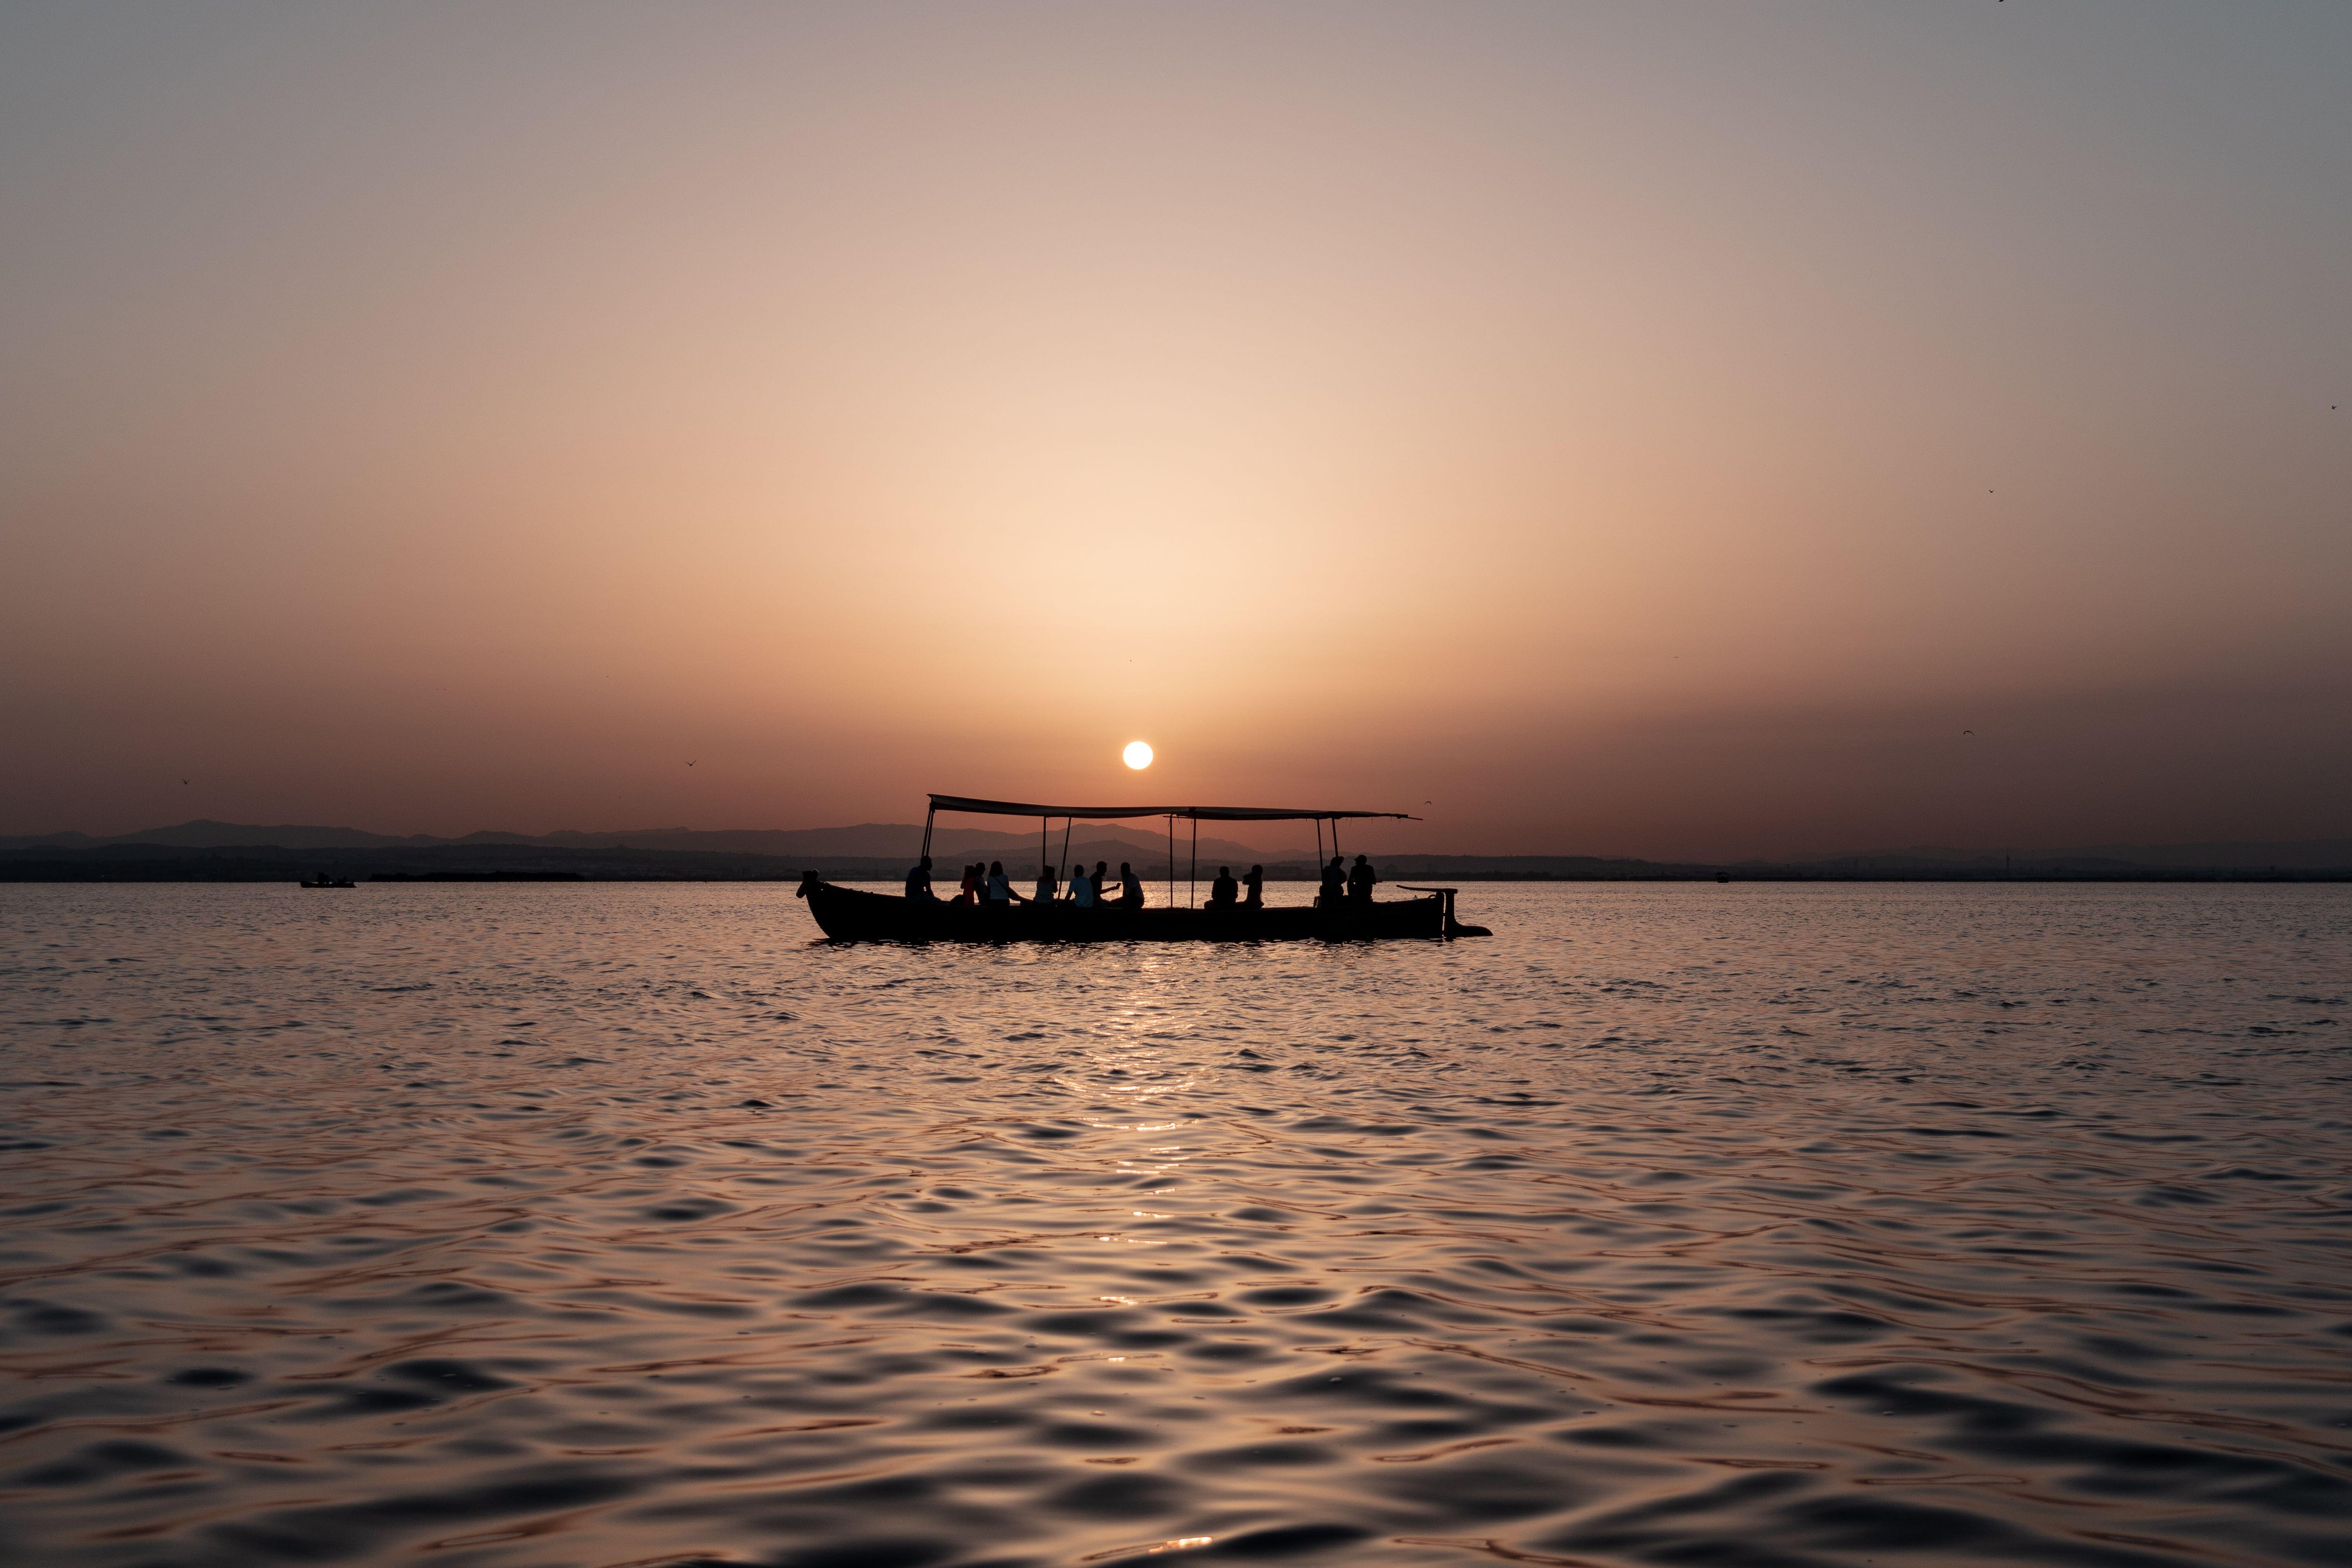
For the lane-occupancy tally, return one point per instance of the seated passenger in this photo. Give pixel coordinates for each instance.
(972, 880)
(1335, 884)
(1082, 891)
(1255, 898)
(1224, 890)
(1048, 885)
(1361, 878)
(1000, 887)
(1130, 888)
(918, 882)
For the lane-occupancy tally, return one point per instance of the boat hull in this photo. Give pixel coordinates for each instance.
(853, 914)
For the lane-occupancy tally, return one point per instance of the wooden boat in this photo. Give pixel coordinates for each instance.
(323, 880)
(857, 914)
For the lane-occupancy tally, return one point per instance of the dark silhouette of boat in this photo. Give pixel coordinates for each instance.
(323, 880)
(855, 914)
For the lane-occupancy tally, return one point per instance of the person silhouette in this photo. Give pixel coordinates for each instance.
(1048, 885)
(1000, 887)
(1361, 878)
(1335, 884)
(1084, 892)
(1130, 888)
(1222, 891)
(918, 882)
(1255, 884)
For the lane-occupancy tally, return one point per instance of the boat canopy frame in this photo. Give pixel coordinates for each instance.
(1110, 813)
(1196, 815)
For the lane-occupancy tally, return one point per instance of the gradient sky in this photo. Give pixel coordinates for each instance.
(1632, 428)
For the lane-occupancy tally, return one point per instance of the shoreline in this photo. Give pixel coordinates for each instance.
(269, 864)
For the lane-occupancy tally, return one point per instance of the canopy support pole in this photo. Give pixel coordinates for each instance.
(1334, 835)
(1068, 823)
(1193, 878)
(929, 817)
(1045, 826)
(1171, 861)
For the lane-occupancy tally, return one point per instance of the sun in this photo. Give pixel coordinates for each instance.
(1138, 754)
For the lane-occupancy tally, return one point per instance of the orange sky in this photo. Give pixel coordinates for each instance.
(1632, 429)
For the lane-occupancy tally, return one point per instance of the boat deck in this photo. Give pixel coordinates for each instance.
(855, 914)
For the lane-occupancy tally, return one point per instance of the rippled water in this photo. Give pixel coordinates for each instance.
(1682, 1224)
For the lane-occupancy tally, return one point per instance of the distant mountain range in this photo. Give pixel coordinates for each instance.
(811, 846)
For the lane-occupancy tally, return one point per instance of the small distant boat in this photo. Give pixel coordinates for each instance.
(855, 914)
(323, 880)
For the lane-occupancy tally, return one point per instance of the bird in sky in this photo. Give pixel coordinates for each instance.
(689, 764)
(1968, 732)
(183, 781)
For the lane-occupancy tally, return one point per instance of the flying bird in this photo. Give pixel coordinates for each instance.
(1968, 732)
(183, 781)
(689, 764)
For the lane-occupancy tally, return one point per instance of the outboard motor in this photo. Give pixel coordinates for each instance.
(1451, 927)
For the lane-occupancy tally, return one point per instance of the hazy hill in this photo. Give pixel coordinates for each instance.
(2309, 855)
(884, 841)
(202, 834)
(867, 840)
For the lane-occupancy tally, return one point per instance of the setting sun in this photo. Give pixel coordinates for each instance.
(1138, 754)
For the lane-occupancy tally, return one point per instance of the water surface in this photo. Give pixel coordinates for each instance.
(506, 1226)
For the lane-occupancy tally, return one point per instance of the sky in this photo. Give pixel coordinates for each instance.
(1680, 430)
